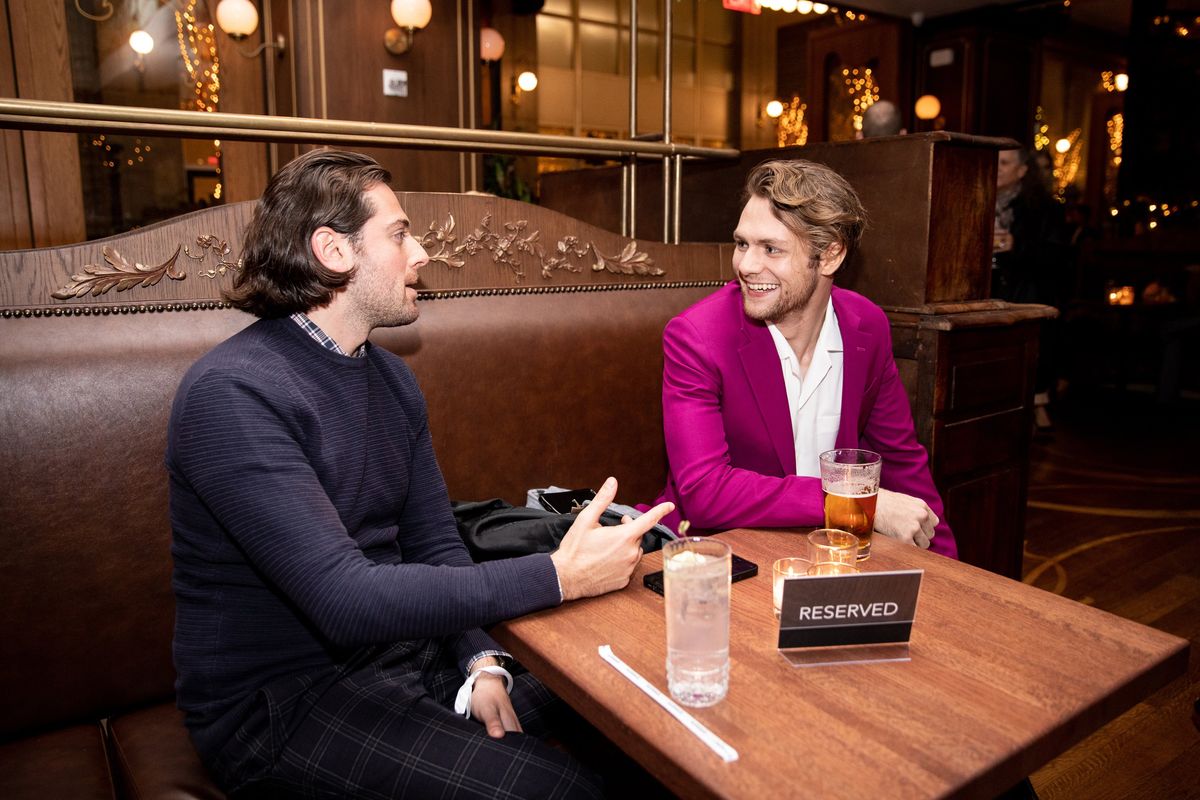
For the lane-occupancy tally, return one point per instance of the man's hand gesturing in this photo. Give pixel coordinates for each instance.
(592, 559)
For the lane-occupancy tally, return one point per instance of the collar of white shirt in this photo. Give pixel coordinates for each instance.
(814, 397)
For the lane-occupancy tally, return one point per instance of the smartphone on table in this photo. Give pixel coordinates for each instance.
(740, 569)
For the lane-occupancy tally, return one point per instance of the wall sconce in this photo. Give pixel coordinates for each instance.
(928, 107)
(411, 16)
(141, 42)
(525, 82)
(772, 110)
(491, 44)
(239, 19)
(104, 7)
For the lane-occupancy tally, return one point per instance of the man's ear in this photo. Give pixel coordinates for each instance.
(332, 249)
(831, 259)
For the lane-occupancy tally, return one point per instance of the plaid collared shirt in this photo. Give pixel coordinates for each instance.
(314, 330)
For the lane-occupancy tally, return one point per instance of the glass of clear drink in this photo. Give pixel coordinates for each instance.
(850, 480)
(696, 574)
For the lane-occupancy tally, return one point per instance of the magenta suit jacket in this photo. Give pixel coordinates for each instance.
(730, 450)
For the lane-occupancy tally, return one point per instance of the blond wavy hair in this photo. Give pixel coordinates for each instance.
(812, 201)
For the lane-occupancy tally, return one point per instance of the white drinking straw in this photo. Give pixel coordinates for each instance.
(718, 746)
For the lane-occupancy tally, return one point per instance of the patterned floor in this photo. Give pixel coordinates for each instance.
(1114, 521)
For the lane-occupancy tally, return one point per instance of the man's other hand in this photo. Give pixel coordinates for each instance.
(593, 559)
(491, 705)
(905, 517)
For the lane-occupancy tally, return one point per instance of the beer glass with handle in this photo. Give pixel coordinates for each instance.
(850, 481)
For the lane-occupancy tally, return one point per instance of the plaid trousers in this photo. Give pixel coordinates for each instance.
(385, 728)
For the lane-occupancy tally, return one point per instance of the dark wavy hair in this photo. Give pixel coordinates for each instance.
(322, 188)
(813, 201)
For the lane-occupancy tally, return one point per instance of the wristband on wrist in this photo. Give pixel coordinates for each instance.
(462, 703)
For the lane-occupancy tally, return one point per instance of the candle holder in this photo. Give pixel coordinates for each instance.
(783, 569)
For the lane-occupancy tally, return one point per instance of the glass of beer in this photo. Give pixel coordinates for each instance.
(850, 480)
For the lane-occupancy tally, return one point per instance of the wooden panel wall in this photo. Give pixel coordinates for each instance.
(243, 90)
(990, 88)
(53, 202)
(15, 225)
(878, 43)
(339, 63)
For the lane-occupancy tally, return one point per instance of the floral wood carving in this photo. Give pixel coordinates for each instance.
(220, 250)
(118, 272)
(508, 248)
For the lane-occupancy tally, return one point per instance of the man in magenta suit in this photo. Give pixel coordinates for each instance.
(778, 366)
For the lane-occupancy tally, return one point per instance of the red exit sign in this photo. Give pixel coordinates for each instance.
(747, 6)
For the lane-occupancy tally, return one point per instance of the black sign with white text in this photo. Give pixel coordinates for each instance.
(867, 608)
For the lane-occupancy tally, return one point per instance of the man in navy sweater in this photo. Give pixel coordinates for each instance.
(327, 610)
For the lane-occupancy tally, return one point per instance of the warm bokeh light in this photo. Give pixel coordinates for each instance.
(928, 107)
(491, 44)
(238, 18)
(774, 109)
(528, 81)
(412, 13)
(141, 42)
(1062, 145)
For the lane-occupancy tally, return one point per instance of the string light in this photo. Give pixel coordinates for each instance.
(1114, 81)
(1066, 162)
(862, 90)
(793, 127)
(805, 7)
(1041, 134)
(198, 46)
(109, 159)
(1115, 128)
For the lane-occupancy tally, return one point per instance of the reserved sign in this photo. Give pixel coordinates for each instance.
(867, 608)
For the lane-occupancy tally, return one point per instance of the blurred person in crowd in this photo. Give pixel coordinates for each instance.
(882, 118)
(1029, 257)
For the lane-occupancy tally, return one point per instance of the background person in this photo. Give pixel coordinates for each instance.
(1031, 261)
(882, 118)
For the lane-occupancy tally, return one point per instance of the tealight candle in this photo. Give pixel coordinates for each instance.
(783, 569)
(831, 568)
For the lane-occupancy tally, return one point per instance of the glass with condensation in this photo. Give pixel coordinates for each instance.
(696, 576)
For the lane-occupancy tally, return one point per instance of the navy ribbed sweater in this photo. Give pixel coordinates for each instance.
(309, 519)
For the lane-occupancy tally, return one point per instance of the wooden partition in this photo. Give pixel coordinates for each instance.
(967, 362)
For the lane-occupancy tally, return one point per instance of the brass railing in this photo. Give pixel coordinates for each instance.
(60, 116)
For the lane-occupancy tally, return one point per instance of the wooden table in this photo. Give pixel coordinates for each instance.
(1002, 678)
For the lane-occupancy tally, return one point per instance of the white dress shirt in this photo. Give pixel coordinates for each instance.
(814, 397)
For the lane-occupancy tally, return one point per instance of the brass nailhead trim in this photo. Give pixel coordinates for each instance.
(440, 294)
(87, 311)
(451, 294)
